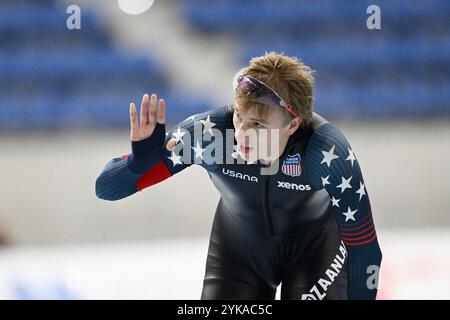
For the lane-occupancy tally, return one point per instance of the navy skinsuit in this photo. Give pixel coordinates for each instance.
(308, 227)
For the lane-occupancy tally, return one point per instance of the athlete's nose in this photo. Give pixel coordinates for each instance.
(240, 136)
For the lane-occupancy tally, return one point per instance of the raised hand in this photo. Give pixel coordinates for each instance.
(151, 113)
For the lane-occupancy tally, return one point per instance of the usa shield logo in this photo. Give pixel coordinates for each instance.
(291, 165)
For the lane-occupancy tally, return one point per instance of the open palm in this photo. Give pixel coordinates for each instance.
(151, 113)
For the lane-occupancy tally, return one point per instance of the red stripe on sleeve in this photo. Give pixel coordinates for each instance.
(354, 244)
(359, 232)
(359, 238)
(156, 174)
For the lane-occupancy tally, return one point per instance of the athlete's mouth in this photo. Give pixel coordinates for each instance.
(245, 149)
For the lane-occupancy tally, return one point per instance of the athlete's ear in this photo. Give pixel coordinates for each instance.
(294, 124)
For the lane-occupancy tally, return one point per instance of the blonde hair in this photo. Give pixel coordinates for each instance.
(289, 77)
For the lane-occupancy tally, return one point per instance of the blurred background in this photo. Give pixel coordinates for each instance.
(64, 97)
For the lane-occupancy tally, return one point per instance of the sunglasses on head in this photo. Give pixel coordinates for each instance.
(265, 94)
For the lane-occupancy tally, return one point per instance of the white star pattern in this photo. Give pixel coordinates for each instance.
(345, 184)
(329, 156)
(349, 215)
(351, 156)
(178, 135)
(338, 176)
(198, 151)
(361, 191)
(207, 125)
(175, 159)
(335, 202)
(325, 180)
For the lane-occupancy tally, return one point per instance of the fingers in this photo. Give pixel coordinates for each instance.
(171, 144)
(133, 117)
(161, 116)
(152, 110)
(144, 110)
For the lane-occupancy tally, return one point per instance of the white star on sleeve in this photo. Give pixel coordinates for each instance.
(325, 180)
(351, 156)
(361, 191)
(207, 125)
(175, 159)
(198, 151)
(178, 135)
(349, 215)
(329, 156)
(345, 184)
(335, 202)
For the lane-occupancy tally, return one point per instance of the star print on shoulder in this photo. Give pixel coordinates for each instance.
(175, 159)
(198, 151)
(361, 191)
(178, 135)
(207, 125)
(325, 180)
(345, 184)
(351, 156)
(329, 156)
(335, 202)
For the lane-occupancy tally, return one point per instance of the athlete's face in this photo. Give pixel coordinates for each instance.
(262, 138)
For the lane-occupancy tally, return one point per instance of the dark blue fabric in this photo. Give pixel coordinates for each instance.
(361, 256)
(116, 181)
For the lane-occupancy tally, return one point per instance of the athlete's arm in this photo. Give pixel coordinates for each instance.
(331, 164)
(150, 160)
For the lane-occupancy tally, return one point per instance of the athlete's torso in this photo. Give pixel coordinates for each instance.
(282, 204)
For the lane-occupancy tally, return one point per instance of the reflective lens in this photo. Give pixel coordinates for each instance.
(265, 94)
